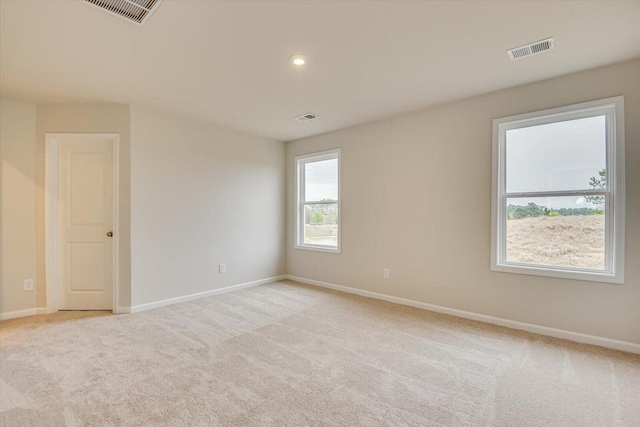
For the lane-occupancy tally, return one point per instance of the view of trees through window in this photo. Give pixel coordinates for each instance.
(544, 229)
(320, 224)
(551, 234)
(320, 204)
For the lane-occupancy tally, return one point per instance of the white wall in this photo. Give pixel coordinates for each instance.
(17, 204)
(200, 196)
(86, 118)
(416, 198)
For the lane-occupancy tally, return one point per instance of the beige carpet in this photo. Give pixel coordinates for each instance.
(292, 355)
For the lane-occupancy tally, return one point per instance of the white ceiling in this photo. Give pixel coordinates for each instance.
(227, 62)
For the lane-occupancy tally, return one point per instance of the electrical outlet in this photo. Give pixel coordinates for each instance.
(222, 268)
(386, 274)
(28, 284)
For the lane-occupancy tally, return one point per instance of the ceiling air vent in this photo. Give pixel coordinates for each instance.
(530, 49)
(136, 11)
(306, 117)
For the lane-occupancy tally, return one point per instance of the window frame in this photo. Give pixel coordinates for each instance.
(300, 161)
(613, 110)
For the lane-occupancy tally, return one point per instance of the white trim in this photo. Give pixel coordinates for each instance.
(512, 324)
(18, 313)
(51, 214)
(22, 313)
(116, 223)
(335, 153)
(613, 110)
(50, 223)
(151, 305)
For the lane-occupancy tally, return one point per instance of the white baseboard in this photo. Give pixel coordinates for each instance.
(148, 306)
(513, 324)
(151, 305)
(22, 313)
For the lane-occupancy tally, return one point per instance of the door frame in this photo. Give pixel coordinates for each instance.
(52, 256)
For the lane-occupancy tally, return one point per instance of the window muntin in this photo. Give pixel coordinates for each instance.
(318, 201)
(558, 192)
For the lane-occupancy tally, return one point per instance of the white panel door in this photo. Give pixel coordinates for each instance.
(85, 214)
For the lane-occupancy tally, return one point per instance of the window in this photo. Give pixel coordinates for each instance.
(318, 201)
(558, 192)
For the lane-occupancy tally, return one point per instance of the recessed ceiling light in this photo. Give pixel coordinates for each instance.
(298, 59)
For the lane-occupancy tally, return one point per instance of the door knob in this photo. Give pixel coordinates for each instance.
(110, 234)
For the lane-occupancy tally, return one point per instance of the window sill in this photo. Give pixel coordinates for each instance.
(313, 248)
(532, 270)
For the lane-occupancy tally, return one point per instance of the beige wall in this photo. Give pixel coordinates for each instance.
(416, 198)
(17, 204)
(227, 189)
(87, 118)
(201, 196)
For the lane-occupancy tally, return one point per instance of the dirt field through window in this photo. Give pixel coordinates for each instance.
(576, 241)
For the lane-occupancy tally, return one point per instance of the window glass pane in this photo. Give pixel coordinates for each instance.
(321, 224)
(321, 180)
(556, 231)
(556, 156)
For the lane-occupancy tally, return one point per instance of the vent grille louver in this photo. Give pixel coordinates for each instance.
(306, 117)
(531, 49)
(136, 11)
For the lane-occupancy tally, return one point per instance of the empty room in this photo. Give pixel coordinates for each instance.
(320, 213)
